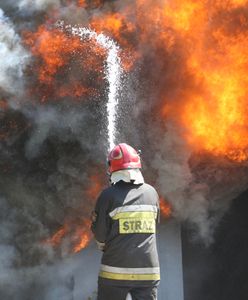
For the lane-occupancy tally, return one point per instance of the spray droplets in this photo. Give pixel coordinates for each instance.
(112, 71)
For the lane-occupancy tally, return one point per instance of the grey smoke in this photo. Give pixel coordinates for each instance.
(37, 4)
(50, 121)
(29, 6)
(175, 181)
(66, 280)
(200, 193)
(14, 58)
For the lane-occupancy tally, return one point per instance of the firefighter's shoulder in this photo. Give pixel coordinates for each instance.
(149, 188)
(106, 193)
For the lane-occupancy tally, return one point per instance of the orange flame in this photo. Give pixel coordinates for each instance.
(75, 89)
(56, 239)
(214, 107)
(215, 61)
(49, 46)
(83, 237)
(78, 231)
(56, 54)
(82, 3)
(209, 39)
(121, 29)
(115, 24)
(95, 186)
(165, 208)
(3, 105)
(79, 236)
(89, 3)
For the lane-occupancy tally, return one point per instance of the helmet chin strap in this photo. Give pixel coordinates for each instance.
(108, 166)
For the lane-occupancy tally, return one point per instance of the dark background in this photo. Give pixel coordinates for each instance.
(219, 272)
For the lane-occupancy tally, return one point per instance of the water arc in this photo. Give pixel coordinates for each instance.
(113, 72)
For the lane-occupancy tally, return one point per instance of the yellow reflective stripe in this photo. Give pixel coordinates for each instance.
(131, 225)
(118, 276)
(136, 214)
(111, 269)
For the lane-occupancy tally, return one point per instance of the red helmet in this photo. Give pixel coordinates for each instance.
(123, 157)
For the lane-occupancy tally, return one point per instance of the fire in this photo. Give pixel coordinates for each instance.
(83, 237)
(57, 237)
(116, 25)
(95, 186)
(77, 231)
(62, 56)
(79, 236)
(207, 41)
(82, 3)
(49, 45)
(87, 3)
(121, 29)
(75, 89)
(213, 108)
(165, 208)
(3, 105)
(215, 118)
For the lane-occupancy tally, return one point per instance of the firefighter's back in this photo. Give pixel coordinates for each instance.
(130, 256)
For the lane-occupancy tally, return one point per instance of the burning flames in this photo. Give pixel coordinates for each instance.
(202, 85)
(79, 236)
(63, 64)
(212, 103)
(78, 232)
(165, 208)
(214, 108)
(95, 187)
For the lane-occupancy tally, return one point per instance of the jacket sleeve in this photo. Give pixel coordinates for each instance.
(158, 207)
(101, 224)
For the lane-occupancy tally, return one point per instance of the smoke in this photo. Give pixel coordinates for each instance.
(34, 5)
(199, 187)
(44, 176)
(60, 281)
(48, 121)
(14, 57)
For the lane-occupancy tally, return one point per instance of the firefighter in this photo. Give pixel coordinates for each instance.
(124, 226)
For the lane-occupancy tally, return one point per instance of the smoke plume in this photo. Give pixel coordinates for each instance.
(14, 57)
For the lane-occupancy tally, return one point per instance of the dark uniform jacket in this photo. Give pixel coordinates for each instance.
(126, 222)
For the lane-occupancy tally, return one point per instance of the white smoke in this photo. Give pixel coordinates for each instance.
(66, 280)
(13, 57)
(34, 5)
(50, 121)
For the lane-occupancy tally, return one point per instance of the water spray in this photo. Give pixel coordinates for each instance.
(112, 72)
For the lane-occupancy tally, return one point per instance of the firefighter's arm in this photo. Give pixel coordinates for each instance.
(100, 221)
(158, 212)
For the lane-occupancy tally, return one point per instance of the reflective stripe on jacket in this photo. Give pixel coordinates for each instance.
(126, 222)
(129, 273)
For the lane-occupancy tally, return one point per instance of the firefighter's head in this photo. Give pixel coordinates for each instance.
(123, 157)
